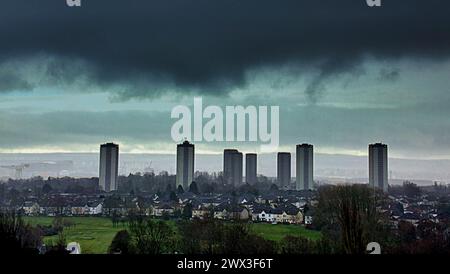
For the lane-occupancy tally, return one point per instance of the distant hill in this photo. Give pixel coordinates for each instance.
(327, 167)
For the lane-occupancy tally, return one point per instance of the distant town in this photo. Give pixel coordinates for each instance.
(226, 195)
(404, 218)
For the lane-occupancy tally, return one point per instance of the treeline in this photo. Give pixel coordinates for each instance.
(426, 238)
(206, 236)
(350, 217)
(205, 183)
(411, 190)
(18, 237)
(135, 184)
(408, 189)
(39, 186)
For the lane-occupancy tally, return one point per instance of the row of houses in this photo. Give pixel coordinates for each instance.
(223, 212)
(414, 210)
(271, 210)
(266, 208)
(229, 211)
(81, 209)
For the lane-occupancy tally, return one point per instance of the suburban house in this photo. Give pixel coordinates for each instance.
(291, 215)
(410, 217)
(31, 208)
(238, 213)
(200, 212)
(227, 211)
(162, 209)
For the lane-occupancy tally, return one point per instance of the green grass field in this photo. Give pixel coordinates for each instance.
(96, 233)
(93, 233)
(279, 231)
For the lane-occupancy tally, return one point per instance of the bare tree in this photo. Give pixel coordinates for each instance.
(351, 210)
(150, 236)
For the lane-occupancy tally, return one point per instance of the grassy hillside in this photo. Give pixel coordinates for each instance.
(93, 233)
(96, 233)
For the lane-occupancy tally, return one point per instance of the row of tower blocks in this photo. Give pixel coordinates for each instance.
(233, 167)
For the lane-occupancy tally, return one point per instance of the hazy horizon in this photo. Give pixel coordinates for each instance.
(329, 168)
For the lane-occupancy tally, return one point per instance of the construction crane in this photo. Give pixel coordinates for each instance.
(18, 168)
(43, 169)
(149, 168)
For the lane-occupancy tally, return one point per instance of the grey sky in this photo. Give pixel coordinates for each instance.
(344, 75)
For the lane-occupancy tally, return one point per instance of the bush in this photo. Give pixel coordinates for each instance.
(151, 237)
(59, 247)
(121, 244)
(296, 245)
(211, 236)
(47, 230)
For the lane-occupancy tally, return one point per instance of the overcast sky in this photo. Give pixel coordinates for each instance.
(343, 74)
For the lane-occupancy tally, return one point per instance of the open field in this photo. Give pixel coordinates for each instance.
(96, 233)
(93, 233)
(278, 231)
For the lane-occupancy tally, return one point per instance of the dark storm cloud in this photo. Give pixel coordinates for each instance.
(149, 47)
(332, 67)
